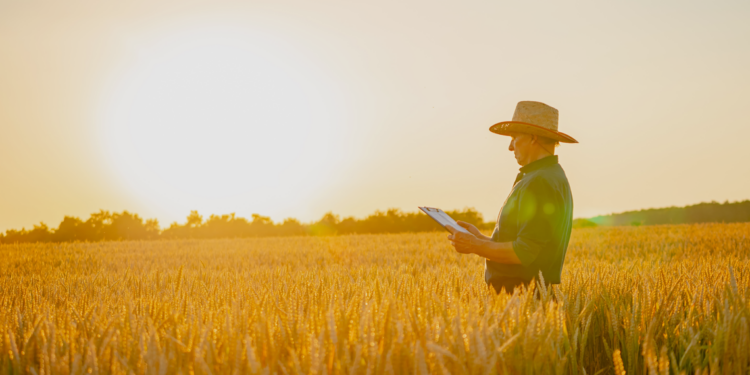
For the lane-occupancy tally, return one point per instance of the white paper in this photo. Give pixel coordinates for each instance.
(442, 218)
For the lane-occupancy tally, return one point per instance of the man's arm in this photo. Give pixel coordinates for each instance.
(473, 230)
(500, 252)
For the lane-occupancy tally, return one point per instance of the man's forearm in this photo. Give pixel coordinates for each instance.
(500, 252)
(483, 237)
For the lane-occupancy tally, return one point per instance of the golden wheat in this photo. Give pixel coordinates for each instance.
(663, 299)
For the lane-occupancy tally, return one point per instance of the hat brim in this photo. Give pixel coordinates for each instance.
(508, 127)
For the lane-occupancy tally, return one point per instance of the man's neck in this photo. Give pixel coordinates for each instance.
(537, 156)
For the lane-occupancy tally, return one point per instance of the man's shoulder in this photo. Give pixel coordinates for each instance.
(549, 176)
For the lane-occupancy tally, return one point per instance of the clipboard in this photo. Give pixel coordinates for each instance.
(442, 218)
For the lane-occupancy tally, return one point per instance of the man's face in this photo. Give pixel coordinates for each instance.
(521, 145)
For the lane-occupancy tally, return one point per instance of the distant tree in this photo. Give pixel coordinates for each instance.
(382, 222)
(97, 224)
(176, 230)
(127, 226)
(194, 219)
(326, 226)
(71, 229)
(291, 227)
(348, 225)
(225, 226)
(261, 226)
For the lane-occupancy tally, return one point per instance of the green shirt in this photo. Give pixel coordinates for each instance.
(537, 217)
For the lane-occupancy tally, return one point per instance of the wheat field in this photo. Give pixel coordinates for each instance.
(636, 300)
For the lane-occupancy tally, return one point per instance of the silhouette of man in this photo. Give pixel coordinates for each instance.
(534, 224)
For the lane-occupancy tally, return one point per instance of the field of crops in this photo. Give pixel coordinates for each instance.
(657, 300)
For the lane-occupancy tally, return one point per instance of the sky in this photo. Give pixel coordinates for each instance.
(296, 108)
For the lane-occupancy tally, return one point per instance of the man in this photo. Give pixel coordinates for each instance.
(534, 224)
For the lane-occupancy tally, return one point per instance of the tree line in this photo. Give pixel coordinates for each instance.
(712, 212)
(109, 226)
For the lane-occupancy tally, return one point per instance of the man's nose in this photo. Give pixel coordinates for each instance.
(510, 146)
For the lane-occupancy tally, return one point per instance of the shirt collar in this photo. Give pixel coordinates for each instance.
(539, 164)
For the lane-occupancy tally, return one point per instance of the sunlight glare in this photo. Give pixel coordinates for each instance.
(206, 117)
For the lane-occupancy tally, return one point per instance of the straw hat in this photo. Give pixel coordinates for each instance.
(533, 118)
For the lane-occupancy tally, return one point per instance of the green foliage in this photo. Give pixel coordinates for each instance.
(714, 212)
(103, 225)
(583, 223)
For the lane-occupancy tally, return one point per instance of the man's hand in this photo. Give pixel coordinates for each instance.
(474, 230)
(500, 252)
(463, 242)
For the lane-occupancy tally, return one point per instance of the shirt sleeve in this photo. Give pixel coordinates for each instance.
(536, 212)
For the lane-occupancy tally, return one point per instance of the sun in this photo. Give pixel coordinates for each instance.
(219, 119)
